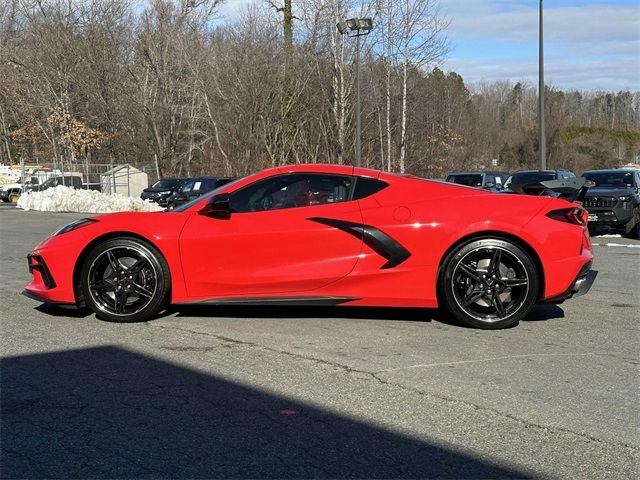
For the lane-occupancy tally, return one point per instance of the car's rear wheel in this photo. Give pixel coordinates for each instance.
(125, 280)
(635, 230)
(489, 283)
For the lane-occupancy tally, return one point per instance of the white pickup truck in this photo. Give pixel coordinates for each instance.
(10, 192)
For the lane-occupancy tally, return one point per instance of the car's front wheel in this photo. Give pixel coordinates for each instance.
(489, 283)
(635, 230)
(125, 280)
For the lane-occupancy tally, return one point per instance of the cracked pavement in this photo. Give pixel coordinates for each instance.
(206, 392)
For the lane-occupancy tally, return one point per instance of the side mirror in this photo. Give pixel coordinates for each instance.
(217, 207)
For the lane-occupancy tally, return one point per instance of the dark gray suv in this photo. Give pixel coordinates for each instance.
(614, 201)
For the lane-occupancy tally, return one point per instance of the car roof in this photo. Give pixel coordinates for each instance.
(607, 170)
(479, 172)
(205, 178)
(543, 171)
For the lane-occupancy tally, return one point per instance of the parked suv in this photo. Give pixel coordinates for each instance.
(192, 188)
(160, 191)
(528, 181)
(614, 201)
(486, 180)
(74, 181)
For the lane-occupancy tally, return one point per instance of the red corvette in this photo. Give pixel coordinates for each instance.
(325, 234)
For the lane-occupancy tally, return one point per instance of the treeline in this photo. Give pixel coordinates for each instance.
(103, 81)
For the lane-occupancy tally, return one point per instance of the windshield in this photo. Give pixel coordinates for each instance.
(466, 179)
(611, 179)
(196, 185)
(525, 178)
(166, 183)
(190, 204)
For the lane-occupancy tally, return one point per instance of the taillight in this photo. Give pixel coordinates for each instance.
(575, 215)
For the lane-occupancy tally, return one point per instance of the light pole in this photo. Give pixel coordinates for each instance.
(356, 27)
(542, 163)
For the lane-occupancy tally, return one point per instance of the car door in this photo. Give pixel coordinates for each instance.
(274, 242)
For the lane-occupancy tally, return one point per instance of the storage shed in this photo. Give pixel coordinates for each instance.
(124, 179)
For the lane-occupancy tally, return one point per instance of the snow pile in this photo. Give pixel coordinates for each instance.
(67, 199)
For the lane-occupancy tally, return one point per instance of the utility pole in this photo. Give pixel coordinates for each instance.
(358, 130)
(541, 140)
(356, 27)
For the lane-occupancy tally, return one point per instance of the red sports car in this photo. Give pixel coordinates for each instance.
(325, 235)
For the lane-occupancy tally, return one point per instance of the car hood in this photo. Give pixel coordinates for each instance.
(609, 192)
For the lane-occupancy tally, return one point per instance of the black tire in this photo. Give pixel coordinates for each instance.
(635, 230)
(489, 283)
(125, 280)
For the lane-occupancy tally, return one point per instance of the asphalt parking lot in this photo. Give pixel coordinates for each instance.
(318, 392)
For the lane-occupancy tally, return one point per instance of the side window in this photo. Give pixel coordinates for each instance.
(368, 186)
(291, 190)
(489, 179)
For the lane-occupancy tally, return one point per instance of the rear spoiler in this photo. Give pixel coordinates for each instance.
(571, 189)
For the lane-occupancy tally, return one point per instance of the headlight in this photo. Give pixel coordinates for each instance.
(83, 222)
(624, 199)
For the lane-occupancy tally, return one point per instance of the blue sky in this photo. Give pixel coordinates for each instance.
(588, 44)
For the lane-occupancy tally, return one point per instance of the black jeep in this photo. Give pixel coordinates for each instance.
(192, 188)
(486, 180)
(614, 201)
(160, 191)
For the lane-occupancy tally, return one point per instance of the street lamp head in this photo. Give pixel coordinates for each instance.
(355, 26)
(365, 24)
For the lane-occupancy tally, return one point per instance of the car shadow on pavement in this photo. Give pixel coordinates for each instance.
(59, 311)
(544, 311)
(303, 312)
(539, 312)
(111, 413)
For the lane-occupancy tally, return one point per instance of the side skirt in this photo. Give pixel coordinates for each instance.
(292, 301)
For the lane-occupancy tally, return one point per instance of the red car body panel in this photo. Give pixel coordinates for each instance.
(282, 253)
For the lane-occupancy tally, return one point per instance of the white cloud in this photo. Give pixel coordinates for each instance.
(588, 24)
(591, 46)
(603, 74)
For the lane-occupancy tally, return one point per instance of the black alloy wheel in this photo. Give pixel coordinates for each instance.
(125, 280)
(635, 231)
(489, 283)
